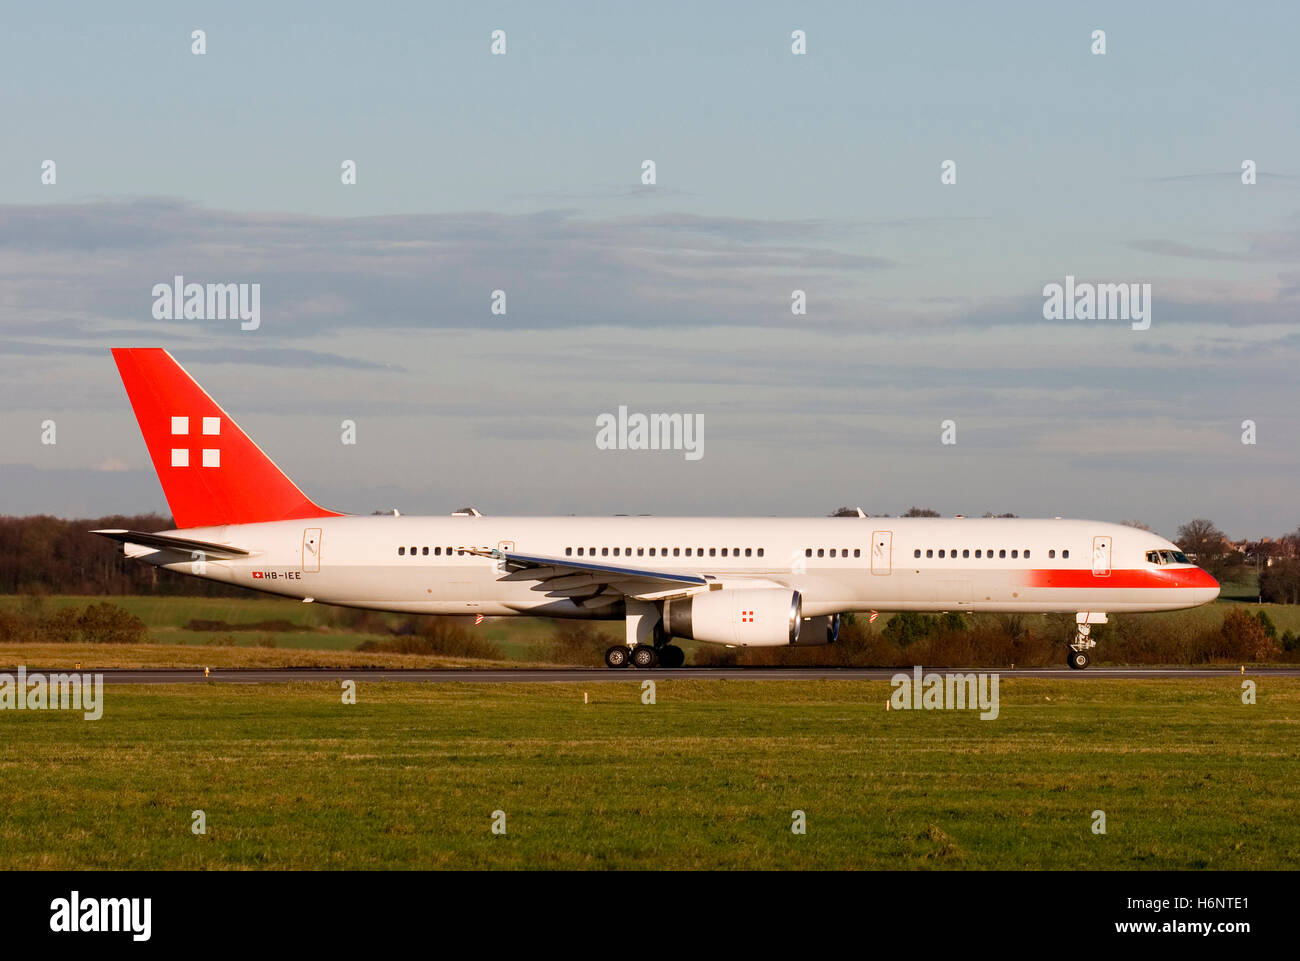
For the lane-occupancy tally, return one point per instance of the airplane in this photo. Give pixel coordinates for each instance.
(737, 581)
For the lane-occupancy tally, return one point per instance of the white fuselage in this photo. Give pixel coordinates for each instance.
(839, 565)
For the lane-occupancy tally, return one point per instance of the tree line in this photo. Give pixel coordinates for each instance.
(52, 555)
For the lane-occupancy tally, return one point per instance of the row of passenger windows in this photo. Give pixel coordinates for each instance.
(823, 552)
(424, 551)
(1015, 553)
(663, 552)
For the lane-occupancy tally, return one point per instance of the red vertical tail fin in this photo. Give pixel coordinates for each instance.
(211, 472)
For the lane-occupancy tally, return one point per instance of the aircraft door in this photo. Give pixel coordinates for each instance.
(311, 550)
(1101, 556)
(504, 546)
(882, 550)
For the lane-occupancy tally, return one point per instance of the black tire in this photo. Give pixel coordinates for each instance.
(671, 656)
(617, 657)
(644, 657)
(1078, 660)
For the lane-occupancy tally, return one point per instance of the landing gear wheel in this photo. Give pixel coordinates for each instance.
(617, 656)
(671, 656)
(644, 657)
(1078, 659)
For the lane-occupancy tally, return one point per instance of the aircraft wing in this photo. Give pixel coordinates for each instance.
(164, 542)
(592, 585)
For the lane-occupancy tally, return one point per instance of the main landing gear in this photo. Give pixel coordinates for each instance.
(645, 656)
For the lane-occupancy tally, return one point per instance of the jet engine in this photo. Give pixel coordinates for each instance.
(747, 617)
(819, 630)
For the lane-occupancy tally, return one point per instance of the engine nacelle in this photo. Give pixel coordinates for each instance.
(819, 630)
(758, 617)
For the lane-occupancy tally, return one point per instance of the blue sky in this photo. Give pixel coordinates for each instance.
(775, 172)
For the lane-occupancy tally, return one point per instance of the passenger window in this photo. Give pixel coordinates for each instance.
(1002, 553)
(832, 552)
(1052, 553)
(760, 552)
(978, 553)
(821, 552)
(1065, 553)
(688, 552)
(424, 550)
(616, 552)
(929, 553)
(917, 552)
(941, 552)
(438, 550)
(412, 551)
(857, 552)
(579, 551)
(807, 552)
(747, 551)
(713, 552)
(1015, 554)
(1026, 555)
(677, 552)
(640, 552)
(724, 552)
(401, 551)
(966, 552)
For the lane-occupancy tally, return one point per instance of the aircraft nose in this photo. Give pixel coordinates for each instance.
(1206, 588)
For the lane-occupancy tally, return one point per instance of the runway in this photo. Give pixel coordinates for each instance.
(604, 675)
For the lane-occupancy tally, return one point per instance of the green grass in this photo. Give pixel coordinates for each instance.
(289, 777)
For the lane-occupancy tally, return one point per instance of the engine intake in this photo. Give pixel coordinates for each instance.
(759, 617)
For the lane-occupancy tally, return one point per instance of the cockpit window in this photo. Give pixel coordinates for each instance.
(1167, 557)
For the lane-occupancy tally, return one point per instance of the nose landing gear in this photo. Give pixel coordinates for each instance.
(1079, 658)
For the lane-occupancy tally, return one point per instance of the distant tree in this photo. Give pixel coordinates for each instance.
(921, 512)
(1138, 524)
(1280, 583)
(844, 512)
(1243, 638)
(1209, 545)
(991, 514)
(909, 627)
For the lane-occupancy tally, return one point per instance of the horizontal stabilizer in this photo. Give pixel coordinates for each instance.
(163, 542)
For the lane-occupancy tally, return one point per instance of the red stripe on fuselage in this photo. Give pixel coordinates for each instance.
(1159, 579)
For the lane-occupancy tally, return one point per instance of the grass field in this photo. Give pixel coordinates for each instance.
(409, 777)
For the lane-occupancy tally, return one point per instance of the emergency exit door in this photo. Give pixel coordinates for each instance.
(882, 551)
(1101, 557)
(311, 550)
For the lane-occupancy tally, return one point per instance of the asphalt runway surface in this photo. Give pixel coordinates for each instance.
(585, 675)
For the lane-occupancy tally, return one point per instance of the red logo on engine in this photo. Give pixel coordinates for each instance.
(747, 617)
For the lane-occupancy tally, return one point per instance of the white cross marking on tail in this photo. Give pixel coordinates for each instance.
(747, 617)
(211, 456)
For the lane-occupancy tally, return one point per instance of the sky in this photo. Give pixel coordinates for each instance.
(774, 172)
